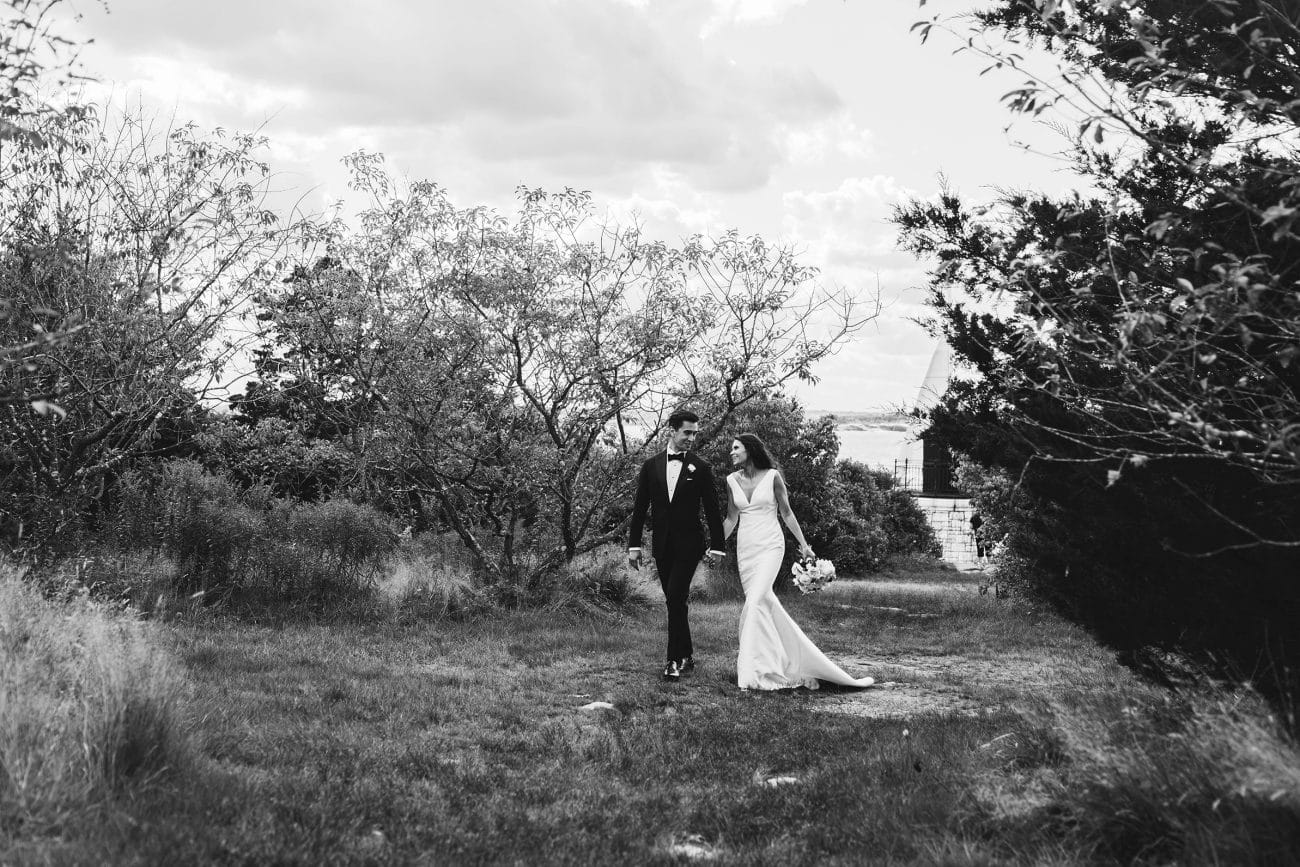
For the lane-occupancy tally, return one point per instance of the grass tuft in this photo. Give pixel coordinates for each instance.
(600, 582)
(89, 707)
(426, 586)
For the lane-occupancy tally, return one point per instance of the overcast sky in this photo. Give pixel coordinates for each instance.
(800, 120)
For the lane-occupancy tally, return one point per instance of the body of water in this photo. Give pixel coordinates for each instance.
(877, 447)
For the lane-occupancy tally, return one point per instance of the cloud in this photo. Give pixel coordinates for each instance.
(848, 226)
(835, 136)
(855, 199)
(667, 207)
(740, 12)
(605, 86)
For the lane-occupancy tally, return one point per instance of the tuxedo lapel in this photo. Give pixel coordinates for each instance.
(661, 475)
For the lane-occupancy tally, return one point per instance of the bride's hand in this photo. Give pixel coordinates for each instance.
(807, 552)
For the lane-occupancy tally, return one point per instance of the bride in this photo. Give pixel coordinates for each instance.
(774, 652)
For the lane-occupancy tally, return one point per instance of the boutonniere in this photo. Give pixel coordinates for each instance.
(690, 468)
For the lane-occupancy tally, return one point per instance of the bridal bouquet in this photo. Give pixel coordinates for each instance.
(812, 575)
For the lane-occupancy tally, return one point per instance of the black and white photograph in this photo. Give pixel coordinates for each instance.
(739, 432)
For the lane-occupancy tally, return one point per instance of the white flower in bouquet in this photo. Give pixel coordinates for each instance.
(812, 575)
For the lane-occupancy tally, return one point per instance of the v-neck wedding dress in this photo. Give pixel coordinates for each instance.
(774, 652)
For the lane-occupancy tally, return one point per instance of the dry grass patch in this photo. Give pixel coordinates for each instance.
(90, 707)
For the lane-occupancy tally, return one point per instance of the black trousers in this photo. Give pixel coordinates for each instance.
(675, 574)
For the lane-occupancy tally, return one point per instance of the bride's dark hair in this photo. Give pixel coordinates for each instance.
(757, 451)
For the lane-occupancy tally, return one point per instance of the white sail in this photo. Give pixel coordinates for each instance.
(932, 388)
(936, 377)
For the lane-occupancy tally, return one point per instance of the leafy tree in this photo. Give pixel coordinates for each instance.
(1137, 345)
(32, 54)
(156, 242)
(508, 371)
(1178, 280)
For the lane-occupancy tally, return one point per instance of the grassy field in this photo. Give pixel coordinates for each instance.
(1001, 736)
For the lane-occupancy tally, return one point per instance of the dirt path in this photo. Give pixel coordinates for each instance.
(923, 676)
(948, 684)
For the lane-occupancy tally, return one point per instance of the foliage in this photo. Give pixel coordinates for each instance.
(1199, 247)
(90, 707)
(1135, 346)
(154, 242)
(499, 376)
(600, 582)
(494, 376)
(33, 54)
(246, 543)
(144, 581)
(896, 525)
(274, 453)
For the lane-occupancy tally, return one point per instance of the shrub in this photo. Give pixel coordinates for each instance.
(878, 522)
(226, 541)
(341, 545)
(905, 525)
(196, 517)
(89, 706)
(274, 453)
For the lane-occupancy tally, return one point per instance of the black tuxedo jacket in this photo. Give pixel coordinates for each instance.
(675, 525)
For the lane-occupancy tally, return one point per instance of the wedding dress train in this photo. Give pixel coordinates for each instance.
(774, 652)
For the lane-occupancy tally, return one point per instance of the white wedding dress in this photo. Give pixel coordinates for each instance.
(774, 652)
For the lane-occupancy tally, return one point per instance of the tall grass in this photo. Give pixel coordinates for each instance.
(599, 581)
(1155, 779)
(244, 543)
(429, 579)
(89, 707)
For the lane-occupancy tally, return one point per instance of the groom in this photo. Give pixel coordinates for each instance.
(674, 485)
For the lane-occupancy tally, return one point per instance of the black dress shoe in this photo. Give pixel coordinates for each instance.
(687, 665)
(672, 670)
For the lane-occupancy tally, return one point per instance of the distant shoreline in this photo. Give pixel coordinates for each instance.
(899, 428)
(888, 420)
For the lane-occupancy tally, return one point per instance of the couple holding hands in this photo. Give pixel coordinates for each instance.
(674, 487)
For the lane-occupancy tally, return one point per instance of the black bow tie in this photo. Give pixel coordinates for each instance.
(680, 456)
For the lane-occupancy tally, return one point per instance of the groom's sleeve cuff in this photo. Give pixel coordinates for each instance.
(719, 553)
(630, 550)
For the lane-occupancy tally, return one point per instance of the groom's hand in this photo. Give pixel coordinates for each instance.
(634, 559)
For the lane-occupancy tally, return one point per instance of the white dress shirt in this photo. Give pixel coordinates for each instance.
(674, 473)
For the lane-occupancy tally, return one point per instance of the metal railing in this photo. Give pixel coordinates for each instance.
(926, 477)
